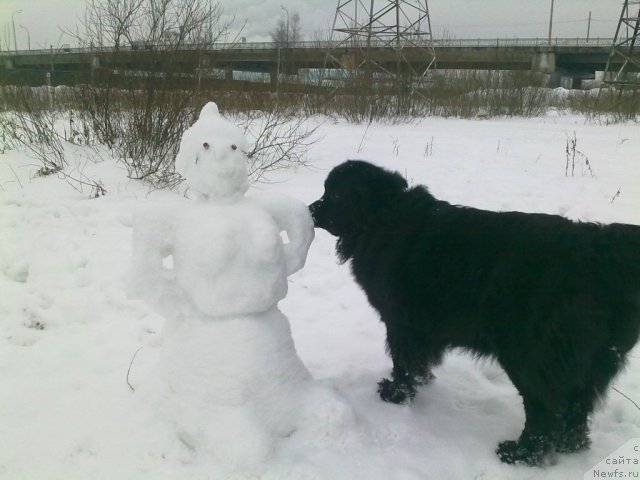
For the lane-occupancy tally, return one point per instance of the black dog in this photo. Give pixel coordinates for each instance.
(556, 303)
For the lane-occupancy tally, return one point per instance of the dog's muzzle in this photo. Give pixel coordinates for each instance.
(314, 208)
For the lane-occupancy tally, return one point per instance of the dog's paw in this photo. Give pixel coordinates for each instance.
(513, 452)
(393, 392)
(424, 379)
(573, 441)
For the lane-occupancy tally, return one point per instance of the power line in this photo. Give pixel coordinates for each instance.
(494, 25)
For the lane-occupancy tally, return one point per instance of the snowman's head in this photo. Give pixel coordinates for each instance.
(212, 157)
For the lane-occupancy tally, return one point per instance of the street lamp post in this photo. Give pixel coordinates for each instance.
(287, 41)
(13, 25)
(551, 23)
(287, 12)
(28, 36)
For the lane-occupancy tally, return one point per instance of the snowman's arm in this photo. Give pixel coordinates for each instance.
(152, 242)
(293, 217)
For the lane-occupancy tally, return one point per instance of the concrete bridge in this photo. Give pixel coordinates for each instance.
(573, 58)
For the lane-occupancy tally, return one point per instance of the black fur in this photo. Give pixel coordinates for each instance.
(556, 303)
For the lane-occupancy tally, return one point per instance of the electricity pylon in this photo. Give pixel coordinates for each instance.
(383, 39)
(625, 50)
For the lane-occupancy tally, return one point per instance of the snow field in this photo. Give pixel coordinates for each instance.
(68, 331)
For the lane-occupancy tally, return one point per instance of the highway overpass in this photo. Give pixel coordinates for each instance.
(575, 58)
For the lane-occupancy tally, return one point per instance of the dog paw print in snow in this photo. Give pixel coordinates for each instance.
(216, 268)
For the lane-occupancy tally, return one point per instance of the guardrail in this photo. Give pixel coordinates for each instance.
(437, 43)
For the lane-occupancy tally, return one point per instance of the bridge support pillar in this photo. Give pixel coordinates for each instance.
(544, 62)
(228, 74)
(95, 62)
(555, 80)
(568, 80)
(572, 82)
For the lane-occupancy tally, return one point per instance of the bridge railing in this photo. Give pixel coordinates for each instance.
(466, 42)
(525, 42)
(437, 43)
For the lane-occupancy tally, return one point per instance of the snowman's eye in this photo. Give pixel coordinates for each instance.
(205, 145)
(234, 147)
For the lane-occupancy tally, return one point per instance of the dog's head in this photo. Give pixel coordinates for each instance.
(354, 191)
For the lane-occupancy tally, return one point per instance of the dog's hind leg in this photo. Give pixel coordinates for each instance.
(539, 436)
(543, 404)
(575, 435)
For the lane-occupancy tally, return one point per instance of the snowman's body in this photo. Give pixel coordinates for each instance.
(234, 263)
(228, 364)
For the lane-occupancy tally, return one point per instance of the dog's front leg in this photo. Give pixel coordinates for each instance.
(410, 365)
(400, 390)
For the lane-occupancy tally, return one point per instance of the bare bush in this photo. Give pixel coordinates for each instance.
(153, 25)
(607, 104)
(572, 153)
(34, 130)
(288, 30)
(147, 134)
(279, 140)
(142, 114)
(449, 93)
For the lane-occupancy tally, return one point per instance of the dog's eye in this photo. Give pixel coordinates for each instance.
(205, 145)
(234, 147)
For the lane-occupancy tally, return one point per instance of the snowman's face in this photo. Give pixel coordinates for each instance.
(212, 159)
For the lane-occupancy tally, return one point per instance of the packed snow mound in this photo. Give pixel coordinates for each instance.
(218, 259)
(216, 269)
(225, 254)
(292, 218)
(215, 272)
(210, 259)
(233, 389)
(212, 157)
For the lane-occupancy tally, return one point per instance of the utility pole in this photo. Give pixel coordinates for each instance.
(28, 36)
(589, 26)
(551, 23)
(13, 25)
(287, 57)
(287, 12)
(210, 33)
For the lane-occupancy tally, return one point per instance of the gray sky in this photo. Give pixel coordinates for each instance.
(43, 19)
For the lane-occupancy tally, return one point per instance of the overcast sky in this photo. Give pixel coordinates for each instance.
(43, 20)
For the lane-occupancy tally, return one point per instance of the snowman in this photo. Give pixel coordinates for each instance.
(215, 267)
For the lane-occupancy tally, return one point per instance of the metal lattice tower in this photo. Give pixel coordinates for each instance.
(383, 39)
(625, 49)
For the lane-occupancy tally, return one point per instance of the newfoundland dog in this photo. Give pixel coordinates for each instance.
(555, 302)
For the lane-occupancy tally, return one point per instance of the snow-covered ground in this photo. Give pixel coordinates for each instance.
(68, 331)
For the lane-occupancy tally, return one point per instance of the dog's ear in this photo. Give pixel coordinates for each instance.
(399, 181)
(368, 179)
